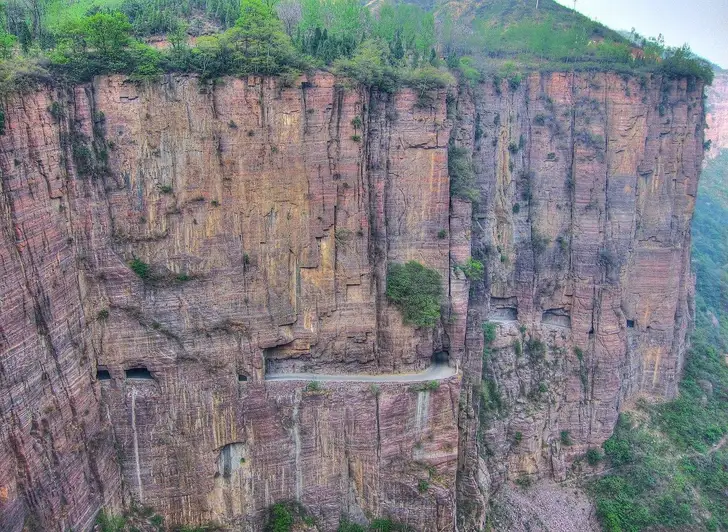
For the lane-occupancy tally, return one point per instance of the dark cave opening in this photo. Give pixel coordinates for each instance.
(441, 357)
(138, 373)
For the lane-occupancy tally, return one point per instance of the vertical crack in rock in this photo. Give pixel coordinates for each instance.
(246, 277)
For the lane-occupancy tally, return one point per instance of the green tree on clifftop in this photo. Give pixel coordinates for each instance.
(259, 44)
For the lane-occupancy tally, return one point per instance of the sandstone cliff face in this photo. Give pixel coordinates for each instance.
(717, 115)
(268, 215)
(587, 190)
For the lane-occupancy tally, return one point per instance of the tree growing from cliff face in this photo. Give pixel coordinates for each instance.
(416, 290)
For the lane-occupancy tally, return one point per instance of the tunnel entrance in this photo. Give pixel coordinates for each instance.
(103, 375)
(441, 357)
(138, 373)
(242, 378)
(630, 324)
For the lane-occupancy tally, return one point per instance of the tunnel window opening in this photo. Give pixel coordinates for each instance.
(138, 373)
(441, 357)
(630, 324)
(103, 375)
(242, 378)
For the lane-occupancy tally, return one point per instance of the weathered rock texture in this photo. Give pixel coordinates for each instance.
(717, 116)
(587, 186)
(268, 216)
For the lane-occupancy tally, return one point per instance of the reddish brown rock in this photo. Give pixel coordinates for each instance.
(267, 216)
(587, 186)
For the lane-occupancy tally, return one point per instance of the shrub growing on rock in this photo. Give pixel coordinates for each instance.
(141, 268)
(416, 290)
(462, 174)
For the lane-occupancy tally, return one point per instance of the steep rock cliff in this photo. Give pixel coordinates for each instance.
(267, 216)
(717, 115)
(587, 186)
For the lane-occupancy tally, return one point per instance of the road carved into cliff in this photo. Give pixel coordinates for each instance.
(436, 372)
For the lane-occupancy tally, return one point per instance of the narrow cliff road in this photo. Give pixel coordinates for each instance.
(435, 372)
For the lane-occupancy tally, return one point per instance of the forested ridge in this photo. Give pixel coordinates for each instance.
(383, 45)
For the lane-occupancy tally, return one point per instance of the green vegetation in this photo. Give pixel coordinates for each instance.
(473, 269)
(314, 386)
(108, 522)
(347, 526)
(141, 268)
(517, 347)
(416, 291)
(535, 348)
(594, 456)
(280, 518)
(77, 40)
(103, 314)
(462, 174)
(489, 332)
(566, 438)
(490, 397)
(423, 485)
(429, 386)
(287, 516)
(669, 462)
(521, 36)
(393, 45)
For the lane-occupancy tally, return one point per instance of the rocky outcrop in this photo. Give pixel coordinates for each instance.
(587, 187)
(267, 216)
(717, 114)
(165, 246)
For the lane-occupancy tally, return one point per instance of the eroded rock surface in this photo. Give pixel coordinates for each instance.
(267, 216)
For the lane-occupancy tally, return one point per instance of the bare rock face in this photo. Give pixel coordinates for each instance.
(587, 187)
(58, 460)
(167, 246)
(717, 114)
(259, 221)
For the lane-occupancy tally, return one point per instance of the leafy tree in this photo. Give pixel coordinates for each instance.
(681, 62)
(417, 291)
(258, 43)
(107, 33)
(369, 66)
(7, 42)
